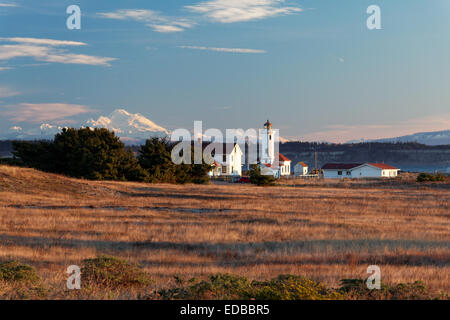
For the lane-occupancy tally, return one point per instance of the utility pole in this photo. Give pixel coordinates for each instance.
(315, 156)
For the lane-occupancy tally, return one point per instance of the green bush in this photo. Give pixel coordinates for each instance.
(424, 177)
(113, 273)
(14, 271)
(95, 154)
(156, 158)
(259, 179)
(357, 289)
(289, 287)
(219, 287)
(230, 287)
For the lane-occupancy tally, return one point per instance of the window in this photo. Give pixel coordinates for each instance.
(224, 169)
(349, 173)
(339, 173)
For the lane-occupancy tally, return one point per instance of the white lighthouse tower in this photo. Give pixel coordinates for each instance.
(267, 144)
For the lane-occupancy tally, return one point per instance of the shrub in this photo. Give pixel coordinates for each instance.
(219, 287)
(95, 154)
(424, 177)
(20, 281)
(40, 155)
(357, 289)
(113, 273)
(156, 157)
(98, 154)
(229, 287)
(259, 179)
(289, 287)
(14, 271)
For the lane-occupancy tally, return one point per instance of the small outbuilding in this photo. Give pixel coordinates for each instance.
(300, 169)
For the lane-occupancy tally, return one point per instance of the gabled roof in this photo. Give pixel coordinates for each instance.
(283, 158)
(339, 166)
(383, 166)
(349, 166)
(304, 165)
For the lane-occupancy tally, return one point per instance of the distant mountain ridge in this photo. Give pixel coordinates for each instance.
(131, 128)
(435, 138)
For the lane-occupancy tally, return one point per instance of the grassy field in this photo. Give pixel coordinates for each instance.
(325, 230)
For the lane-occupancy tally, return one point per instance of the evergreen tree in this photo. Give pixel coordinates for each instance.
(259, 179)
(95, 154)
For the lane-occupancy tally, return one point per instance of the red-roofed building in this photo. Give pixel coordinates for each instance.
(283, 169)
(285, 165)
(359, 170)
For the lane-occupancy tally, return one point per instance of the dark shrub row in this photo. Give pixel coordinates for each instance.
(423, 177)
(97, 154)
(259, 179)
(109, 274)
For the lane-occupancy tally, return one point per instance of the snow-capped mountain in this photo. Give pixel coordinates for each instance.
(131, 128)
(48, 130)
(44, 132)
(429, 138)
(128, 126)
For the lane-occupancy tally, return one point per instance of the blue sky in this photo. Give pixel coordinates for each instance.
(312, 67)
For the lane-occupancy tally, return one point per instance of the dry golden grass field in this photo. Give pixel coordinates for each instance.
(323, 230)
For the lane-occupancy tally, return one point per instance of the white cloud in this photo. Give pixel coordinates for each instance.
(44, 50)
(229, 11)
(5, 68)
(39, 41)
(7, 5)
(165, 28)
(229, 50)
(43, 112)
(7, 92)
(153, 19)
(15, 128)
(133, 14)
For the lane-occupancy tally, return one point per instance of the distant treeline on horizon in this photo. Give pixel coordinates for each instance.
(297, 146)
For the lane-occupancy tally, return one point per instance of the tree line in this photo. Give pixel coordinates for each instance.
(98, 154)
(297, 147)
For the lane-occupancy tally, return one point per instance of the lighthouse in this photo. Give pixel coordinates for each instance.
(267, 144)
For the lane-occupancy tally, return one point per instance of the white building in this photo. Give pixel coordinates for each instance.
(284, 168)
(301, 169)
(267, 163)
(358, 170)
(267, 144)
(227, 159)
